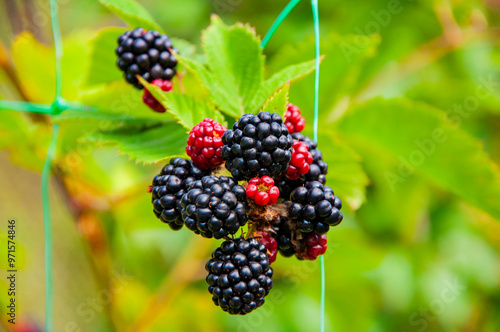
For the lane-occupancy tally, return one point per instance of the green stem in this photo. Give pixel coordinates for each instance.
(291, 5)
(315, 11)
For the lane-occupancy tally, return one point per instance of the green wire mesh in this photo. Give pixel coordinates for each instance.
(60, 104)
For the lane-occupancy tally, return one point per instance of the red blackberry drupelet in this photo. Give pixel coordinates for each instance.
(262, 190)
(301, 160)
(294, 120)
(205, 143)
(271, 244)
(316, 246)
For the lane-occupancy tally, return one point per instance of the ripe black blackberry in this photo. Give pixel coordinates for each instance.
(239, 275)
(318, 169)
(168, 188)
(146, 53)
(257, 145)
(315, 208)
(214, 206)
(283, 236)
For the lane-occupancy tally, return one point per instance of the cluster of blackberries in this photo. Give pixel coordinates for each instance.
(282, 197)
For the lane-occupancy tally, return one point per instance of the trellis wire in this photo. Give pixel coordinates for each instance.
(315, 11)
(60, 104)
(47, 221)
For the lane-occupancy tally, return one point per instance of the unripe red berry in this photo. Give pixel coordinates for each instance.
(271, 244)
(262, 190)
(316, 246)
(301, 159)
(205, 143)
(294, 121)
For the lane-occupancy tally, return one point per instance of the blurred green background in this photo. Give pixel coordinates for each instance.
(419, 248)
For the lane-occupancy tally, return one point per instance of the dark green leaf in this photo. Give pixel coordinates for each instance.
(147, 145)
(423, 142)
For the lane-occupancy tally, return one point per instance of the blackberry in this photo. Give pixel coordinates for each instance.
(257, 145)
(318, 169)
(315, 208)
(283, 236)
(214, 206)
(286, 186)
(168, 188)
(239, 275)
(145, 53)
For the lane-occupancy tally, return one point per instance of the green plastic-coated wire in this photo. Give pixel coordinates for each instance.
(288, 9)
(57, 107)
(19, 106)
(315, 11)
(47, 227)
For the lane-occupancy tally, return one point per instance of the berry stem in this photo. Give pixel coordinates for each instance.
(251, 229)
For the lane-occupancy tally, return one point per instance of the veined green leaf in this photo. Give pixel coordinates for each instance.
(423, 142)
(236, 63)
(131, 12)
(102, 65)
(151, 145)
(343, 64)
(277, 102)
(188, 110)
(345, 173)
(277, 80)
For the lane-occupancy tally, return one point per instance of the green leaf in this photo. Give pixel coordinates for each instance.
(186, 48)
(37, 81)
(422, 142)
(345, 173)
(131, 12)
(120, 98)
(235, 59)
(277, 80)
(147, 145)
(340, 71)
(188, 110)
(277, 102)
(35, 66)
(102, 64)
